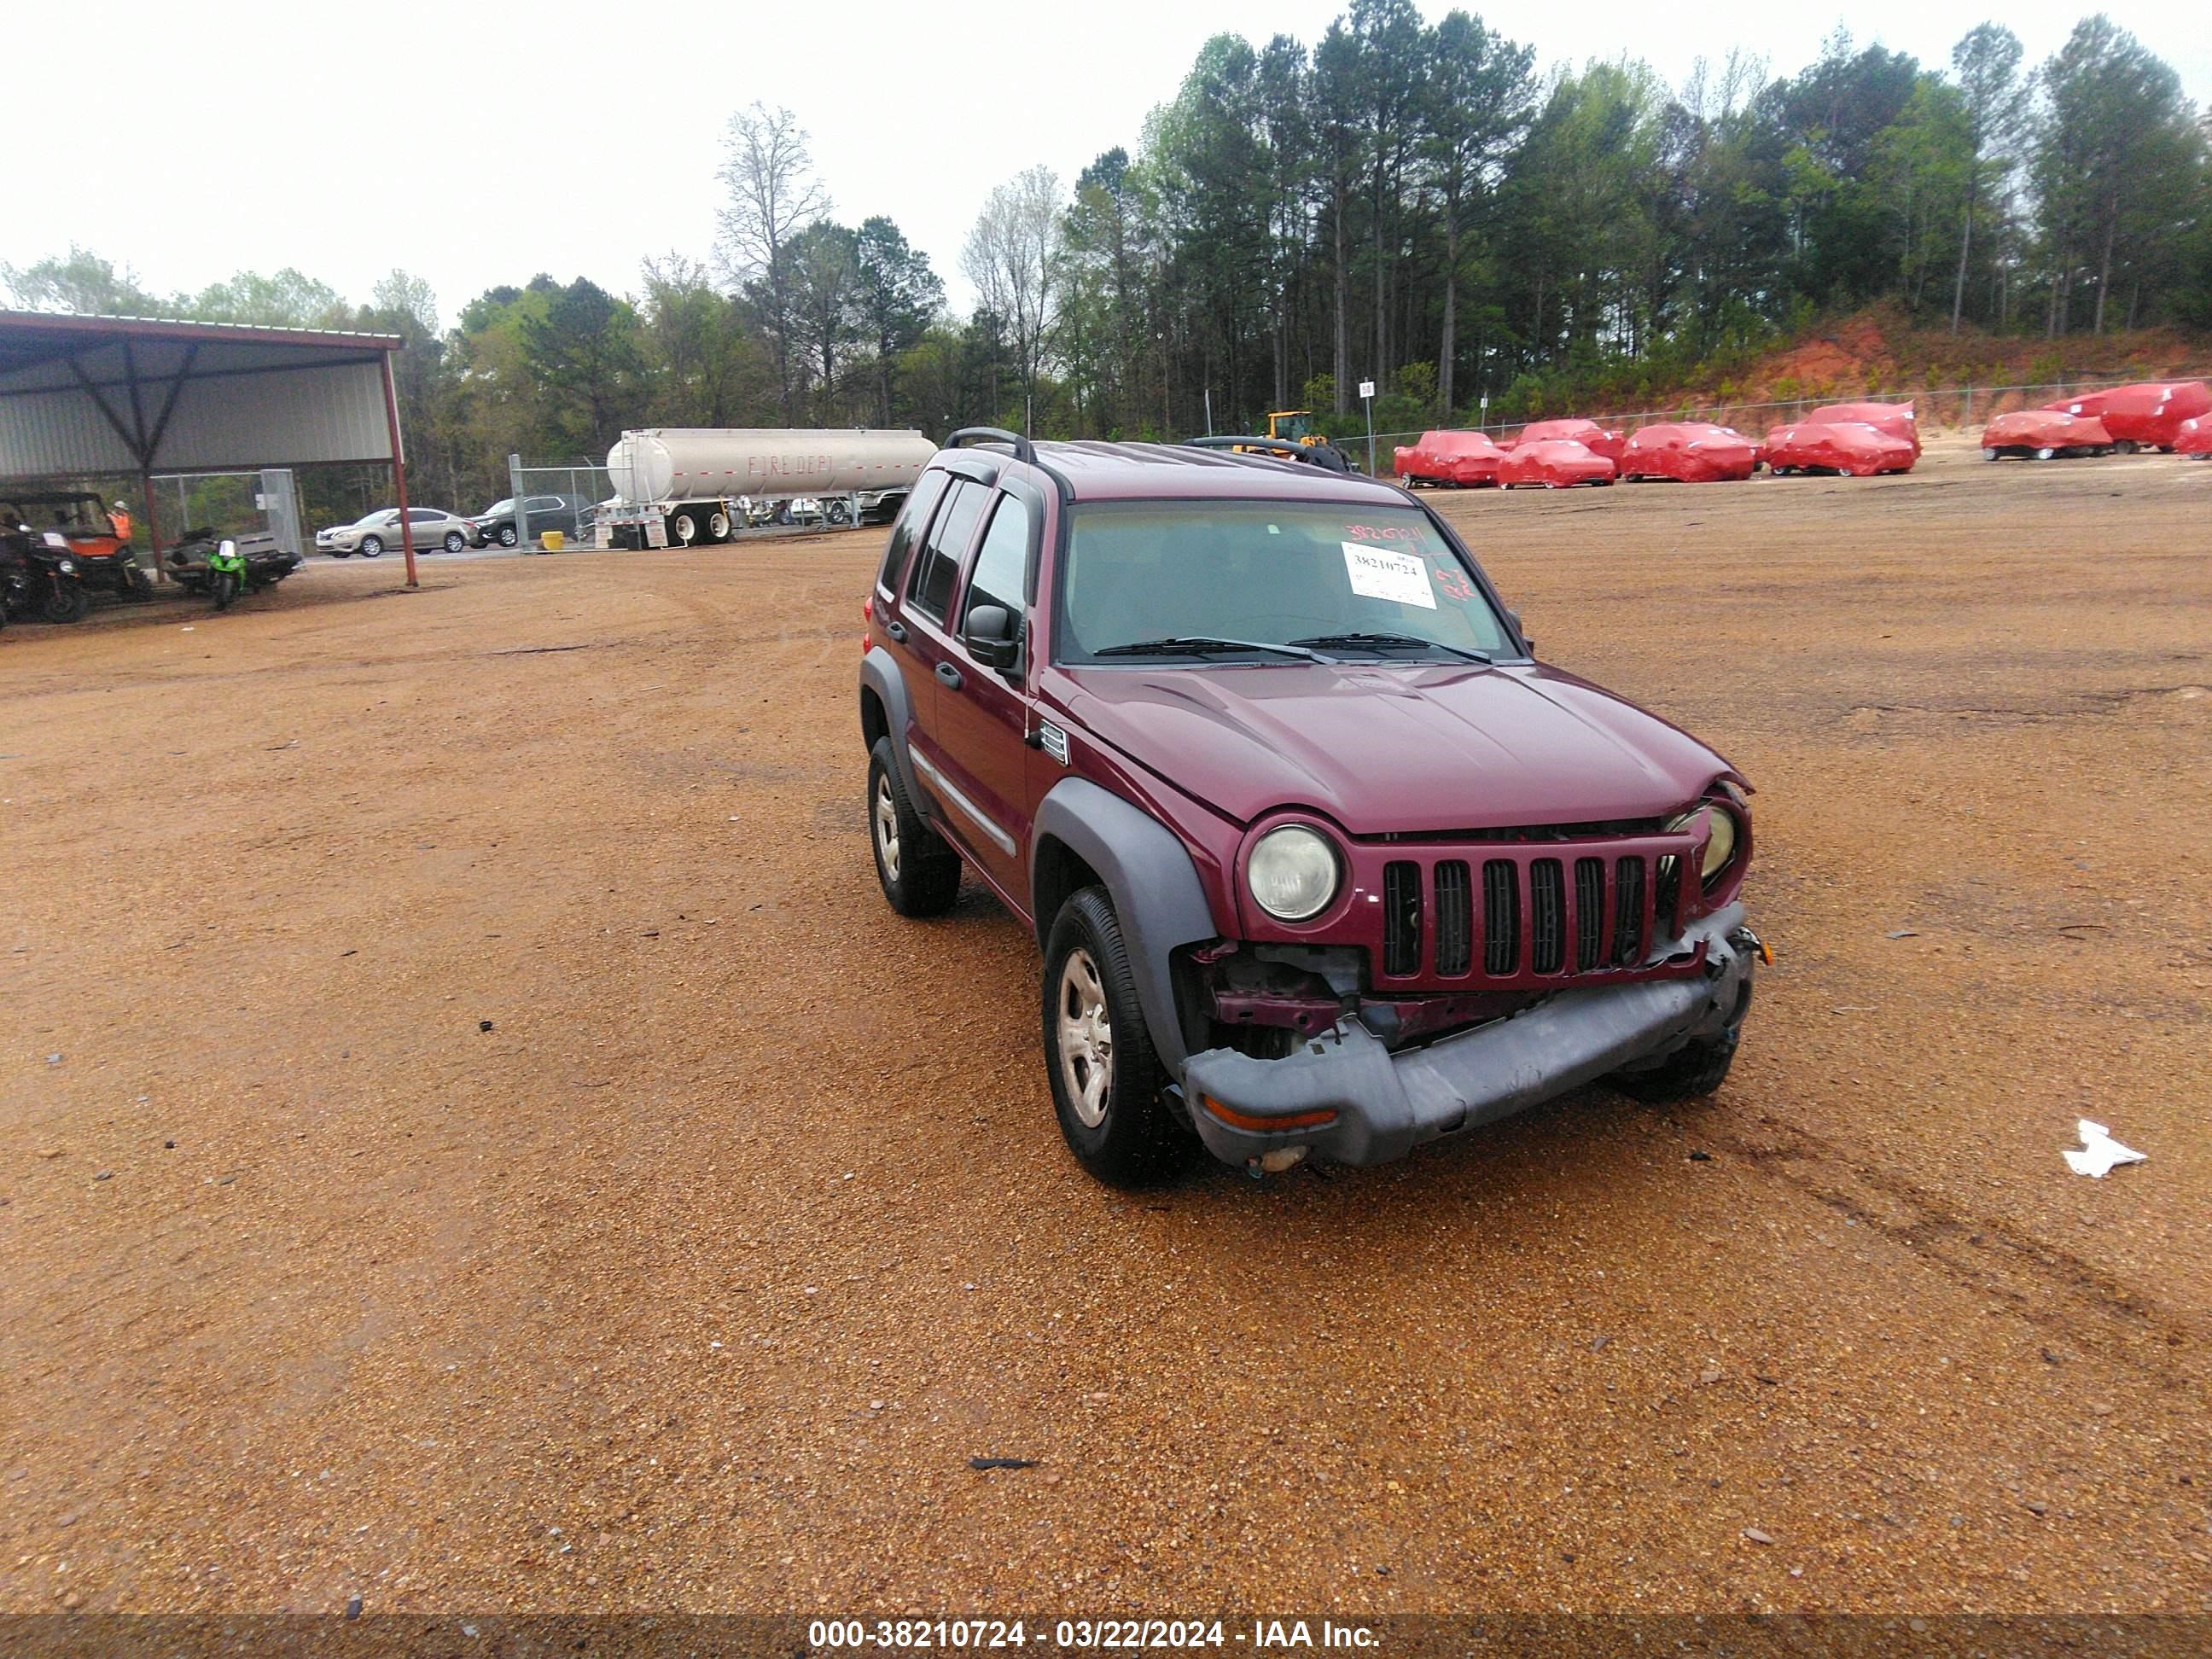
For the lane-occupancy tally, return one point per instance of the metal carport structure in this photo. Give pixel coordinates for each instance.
(82, 396)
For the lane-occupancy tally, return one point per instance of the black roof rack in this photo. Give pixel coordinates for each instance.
(1322, 455)
(1023, 450)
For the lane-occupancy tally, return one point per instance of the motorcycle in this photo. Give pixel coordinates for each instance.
(226, 574)
(39, 577)
(200, 563)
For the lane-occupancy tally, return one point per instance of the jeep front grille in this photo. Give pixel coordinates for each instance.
(1536, 916)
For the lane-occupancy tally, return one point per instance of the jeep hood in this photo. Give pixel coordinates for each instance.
(1417, 748)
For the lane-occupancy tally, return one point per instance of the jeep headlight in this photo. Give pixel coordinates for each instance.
(1293, 873)
(67, 567)
(1721, 842)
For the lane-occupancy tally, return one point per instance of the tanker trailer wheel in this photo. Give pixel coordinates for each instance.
(718, 526)
(682, 528)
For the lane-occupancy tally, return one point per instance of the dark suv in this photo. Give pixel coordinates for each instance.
(1320, 859)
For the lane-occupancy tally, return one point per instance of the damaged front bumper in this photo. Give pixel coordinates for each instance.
(1385, 1104)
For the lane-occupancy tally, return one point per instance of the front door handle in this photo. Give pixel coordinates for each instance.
(949, 674)
(897, 631)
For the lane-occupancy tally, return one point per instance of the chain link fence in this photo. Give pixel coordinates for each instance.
(562, 500)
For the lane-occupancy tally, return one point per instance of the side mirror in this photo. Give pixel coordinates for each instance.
(1527, 638)
(992, 636)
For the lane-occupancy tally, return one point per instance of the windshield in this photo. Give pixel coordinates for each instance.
(1357, 581)
(498, 507)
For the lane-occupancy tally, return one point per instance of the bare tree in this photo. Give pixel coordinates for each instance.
(1013, 258)
(774, 195)
(1987, 63)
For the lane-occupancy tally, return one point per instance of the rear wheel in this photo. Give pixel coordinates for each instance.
(683, 528)
(920, 875)
(2045, 453)
(136, 584)
(455, 541)
(837, 512)
(718, 525)
(1105, 1074)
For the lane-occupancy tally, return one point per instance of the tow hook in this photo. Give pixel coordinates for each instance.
(1744, 940)
(1275, 1160)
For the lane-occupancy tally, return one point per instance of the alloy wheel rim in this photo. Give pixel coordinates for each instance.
(887, 841)
(1086, 1038)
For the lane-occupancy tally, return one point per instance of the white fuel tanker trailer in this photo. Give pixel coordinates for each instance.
(680, 486)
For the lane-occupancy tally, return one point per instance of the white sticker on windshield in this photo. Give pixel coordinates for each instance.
(1378, 574)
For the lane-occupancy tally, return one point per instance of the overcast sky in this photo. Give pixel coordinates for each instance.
(476, 145)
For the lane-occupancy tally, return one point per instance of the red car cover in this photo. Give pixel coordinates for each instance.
(1458, 458)
(2031, 431)
(1896, 419)
(2150, 413)
(1554, 462)
(2194, 438)
(1588, 433)
(1847, 447)
(1689, 452)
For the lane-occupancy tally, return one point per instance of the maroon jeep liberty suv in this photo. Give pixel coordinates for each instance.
(1320, 859)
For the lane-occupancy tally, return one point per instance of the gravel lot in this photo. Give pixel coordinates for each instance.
(695, 1278)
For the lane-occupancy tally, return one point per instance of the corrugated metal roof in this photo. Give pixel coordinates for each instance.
(207, 396)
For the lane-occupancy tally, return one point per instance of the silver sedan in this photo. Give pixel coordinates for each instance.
(433, 526)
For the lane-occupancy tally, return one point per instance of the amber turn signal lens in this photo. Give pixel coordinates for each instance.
(1236, 1119)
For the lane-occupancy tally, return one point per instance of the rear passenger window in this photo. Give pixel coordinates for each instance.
(948, 538)
(913, 518)
(1002, 565)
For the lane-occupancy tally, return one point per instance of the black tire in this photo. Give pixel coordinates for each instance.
(919, 873)
(509, 536)
(455, 541)
(837, 512)
(1105, 1085)
(718, 526)
(371, 547)
(136, 584)
(2045, 453)
(340, 553)
(1990, 455)
(1690, 1073)
(685, 529)
(2125, 447)
(67, 600)
(226, 590)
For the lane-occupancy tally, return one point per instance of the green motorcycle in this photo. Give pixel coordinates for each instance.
(226, 572)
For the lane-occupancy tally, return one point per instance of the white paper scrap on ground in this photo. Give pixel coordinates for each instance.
(2098, 1151)
(1378, 573)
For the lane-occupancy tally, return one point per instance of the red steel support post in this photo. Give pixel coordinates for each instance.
(398, 469)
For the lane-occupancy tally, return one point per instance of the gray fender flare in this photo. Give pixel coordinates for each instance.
(879, 674)
(1154, 888)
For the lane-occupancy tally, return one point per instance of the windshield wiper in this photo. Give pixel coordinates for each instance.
(1198, 645)
(1384, 641)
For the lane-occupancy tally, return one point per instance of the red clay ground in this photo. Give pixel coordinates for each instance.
(695, 1280)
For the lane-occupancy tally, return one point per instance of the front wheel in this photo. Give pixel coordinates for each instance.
(1105, 1074)
(226, 590)
(2044, 454)
(507, 538)
(921, 875)
(67, 601)
(838, 513)
(136, 584)
(371, 547)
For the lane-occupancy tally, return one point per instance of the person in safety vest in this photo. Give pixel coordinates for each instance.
(118, 518)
